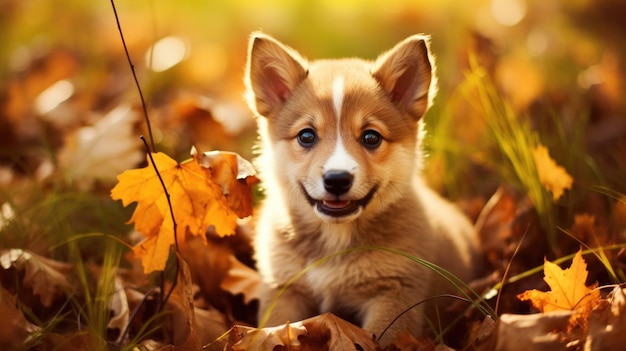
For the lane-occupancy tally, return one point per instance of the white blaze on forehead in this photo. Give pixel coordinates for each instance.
(338, 95)
(340, 160)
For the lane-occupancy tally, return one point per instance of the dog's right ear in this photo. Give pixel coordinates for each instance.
(272, 72)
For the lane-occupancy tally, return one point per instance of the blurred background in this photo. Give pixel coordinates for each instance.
(62, 68)
(70, 114)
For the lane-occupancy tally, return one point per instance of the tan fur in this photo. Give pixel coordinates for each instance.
(370, 287)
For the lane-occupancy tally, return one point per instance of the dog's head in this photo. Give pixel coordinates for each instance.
(342, 133)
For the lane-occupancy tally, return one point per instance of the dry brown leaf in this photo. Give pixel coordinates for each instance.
(14, 328)
(71, 341)
(182, 326)
(265, 339)
(47, 278)
(552, 176)
(587, 230)
(211, 324)
(537, 332)
(494, 223)
(103, 150)
(189, 328)
(119, 308)
(319, 333)
(329, 332)
(568, 291)
(241, 279)
(608, 331)
(234, 174)
(405, 341)
(482, 332)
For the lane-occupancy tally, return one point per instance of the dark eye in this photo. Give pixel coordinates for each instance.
(371, 139)
(307, 138)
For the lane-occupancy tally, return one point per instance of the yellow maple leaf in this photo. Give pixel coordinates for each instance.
(552, 176)
(568, 291)
(202, 193)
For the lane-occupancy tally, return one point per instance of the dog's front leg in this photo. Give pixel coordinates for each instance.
(279, 306)
(381, 312)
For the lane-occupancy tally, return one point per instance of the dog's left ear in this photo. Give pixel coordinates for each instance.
(406, 74)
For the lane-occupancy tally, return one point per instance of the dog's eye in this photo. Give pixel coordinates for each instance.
(371, 139)
(307, 138)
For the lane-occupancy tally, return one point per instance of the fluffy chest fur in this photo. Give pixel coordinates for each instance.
(345, 209)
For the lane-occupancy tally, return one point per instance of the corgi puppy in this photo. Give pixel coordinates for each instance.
(340, 160)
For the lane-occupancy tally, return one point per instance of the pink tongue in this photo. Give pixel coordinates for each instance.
(336, 204)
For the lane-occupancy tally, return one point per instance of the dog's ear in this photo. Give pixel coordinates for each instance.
(272, 72)
(406, 73)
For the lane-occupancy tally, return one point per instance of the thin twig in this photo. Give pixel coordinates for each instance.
(132, 68)
(169, 204)
(167, 194)
(150, 149)
(133, 314)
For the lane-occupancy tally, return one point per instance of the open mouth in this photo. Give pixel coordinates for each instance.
(339, 208)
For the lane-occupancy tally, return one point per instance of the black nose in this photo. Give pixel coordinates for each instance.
(337, 182)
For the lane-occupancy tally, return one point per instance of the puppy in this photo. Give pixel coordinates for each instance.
(340, 160)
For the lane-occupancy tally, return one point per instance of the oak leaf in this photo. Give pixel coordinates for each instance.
(211, 189)
(552, 176)
(568, 291)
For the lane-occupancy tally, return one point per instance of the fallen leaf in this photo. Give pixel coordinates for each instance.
(481, 331)
(266, 339)
(494, 224)
(102, 150)
(552, 176)
(196, 189)
(537, 332)
(587, 230)
(119, 309)
(15, 330)
(234, 174)
(405, 341)
(607, 331)
(184, 326)
(241, 279)
(568, 291)
(329, 332)
(47, 278)
(319, 333)
(211, 325)
(180, 312)
(70, 341)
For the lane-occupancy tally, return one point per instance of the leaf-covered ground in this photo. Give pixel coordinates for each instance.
(527, 135)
